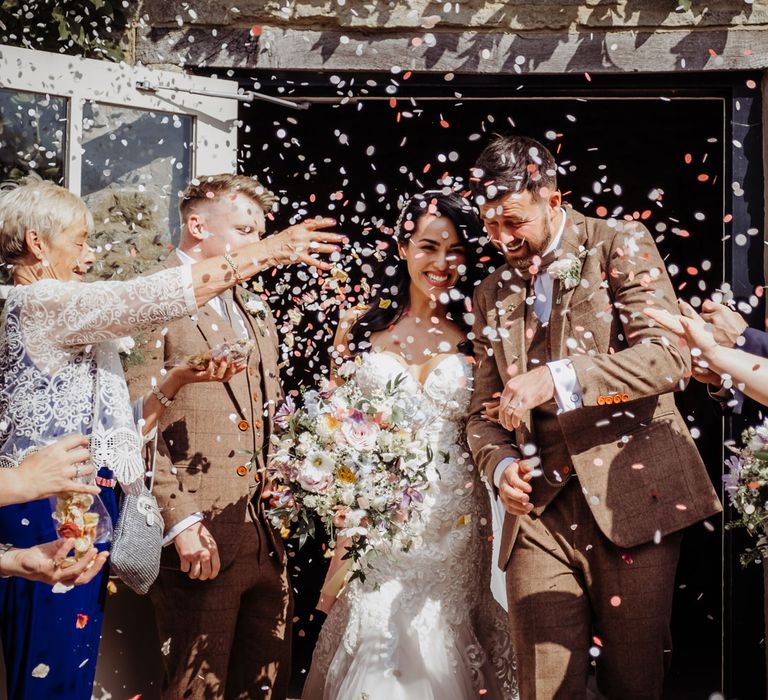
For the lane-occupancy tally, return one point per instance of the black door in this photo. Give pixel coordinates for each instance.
(657, 149)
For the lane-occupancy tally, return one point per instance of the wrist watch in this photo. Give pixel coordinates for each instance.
(4, 549)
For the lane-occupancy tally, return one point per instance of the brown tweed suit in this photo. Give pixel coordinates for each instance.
(229, 637)
(585, 561)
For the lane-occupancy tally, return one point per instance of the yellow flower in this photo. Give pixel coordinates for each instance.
(331, 423)
(346, 475)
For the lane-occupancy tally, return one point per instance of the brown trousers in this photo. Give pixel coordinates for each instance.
(229, 638)
(574, 596)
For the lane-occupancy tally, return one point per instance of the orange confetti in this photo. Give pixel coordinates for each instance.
(444, 124)
(688, 158)
(759, 292)
(407, 75)
(588, 77)
(615, 601)
(703, 177)
(255, 30)
(426, 168)
(751, 84)
(728, 218)
(417, 41)
(82, 620)
(691, 270)
(601, 211)
(646, 214)
(393, 102)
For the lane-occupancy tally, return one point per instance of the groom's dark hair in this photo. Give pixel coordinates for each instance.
(512, 164)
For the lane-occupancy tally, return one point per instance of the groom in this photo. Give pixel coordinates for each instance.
(574, 422)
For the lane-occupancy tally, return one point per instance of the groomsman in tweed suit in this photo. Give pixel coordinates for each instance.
(222, 601)
(574, 423)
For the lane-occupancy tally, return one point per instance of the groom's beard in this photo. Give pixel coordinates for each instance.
(523, 263)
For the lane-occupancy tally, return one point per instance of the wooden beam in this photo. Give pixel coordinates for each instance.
(598, 51)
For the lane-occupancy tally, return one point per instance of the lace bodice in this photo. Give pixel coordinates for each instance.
(444, 578)
(59, 367)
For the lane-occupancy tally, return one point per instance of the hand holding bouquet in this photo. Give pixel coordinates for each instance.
(355, 458)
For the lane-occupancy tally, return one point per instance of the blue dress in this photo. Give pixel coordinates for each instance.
(39, 628)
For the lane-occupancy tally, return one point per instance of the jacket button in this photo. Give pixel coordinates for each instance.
(243, 425)
(256, 477)
(617, 398)
(609, 399)
(601, 400)
(257, 423)
(625, 397)
(242, 470)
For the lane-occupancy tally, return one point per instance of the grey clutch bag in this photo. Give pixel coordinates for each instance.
(138, 537)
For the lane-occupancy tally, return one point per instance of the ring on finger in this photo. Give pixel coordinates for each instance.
(77, 471)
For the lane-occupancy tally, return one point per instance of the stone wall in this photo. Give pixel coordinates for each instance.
(543, 36)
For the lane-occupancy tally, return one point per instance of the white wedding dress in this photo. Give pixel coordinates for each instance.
(424, 625)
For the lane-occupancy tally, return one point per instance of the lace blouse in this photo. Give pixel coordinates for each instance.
(60, 370)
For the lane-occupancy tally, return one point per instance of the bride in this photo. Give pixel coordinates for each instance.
(424, 624)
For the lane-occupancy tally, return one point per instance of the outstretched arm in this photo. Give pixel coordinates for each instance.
(747, 372)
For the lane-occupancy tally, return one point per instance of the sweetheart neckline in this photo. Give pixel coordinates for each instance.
(396, 358)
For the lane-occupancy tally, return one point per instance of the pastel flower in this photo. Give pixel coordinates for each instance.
(359, 432)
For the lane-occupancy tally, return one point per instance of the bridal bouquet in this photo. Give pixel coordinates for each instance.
(353, 457)
(747, 485)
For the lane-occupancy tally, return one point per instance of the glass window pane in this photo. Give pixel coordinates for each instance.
(33, 131)
(135, 164)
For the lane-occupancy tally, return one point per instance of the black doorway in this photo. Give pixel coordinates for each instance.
(643, 147)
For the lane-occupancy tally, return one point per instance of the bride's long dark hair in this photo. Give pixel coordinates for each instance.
(390, 291)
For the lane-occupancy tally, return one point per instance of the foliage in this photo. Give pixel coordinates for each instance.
(746, 483)
(90, 28)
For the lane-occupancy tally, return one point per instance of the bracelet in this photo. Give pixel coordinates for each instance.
(161, 397)
(4, 549)
(234, 267)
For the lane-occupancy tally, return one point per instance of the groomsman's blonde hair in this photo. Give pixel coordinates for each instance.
(41, 206)
(208, 187)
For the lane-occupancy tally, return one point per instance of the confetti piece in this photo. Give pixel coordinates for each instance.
(82, 621)
(41, 671)
(255, 30)
(615, 601)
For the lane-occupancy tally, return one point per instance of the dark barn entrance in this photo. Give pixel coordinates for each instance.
(672, 153)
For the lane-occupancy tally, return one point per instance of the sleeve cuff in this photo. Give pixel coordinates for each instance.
(567, 388)
(500, 467)
(189, 289)
(180, 526)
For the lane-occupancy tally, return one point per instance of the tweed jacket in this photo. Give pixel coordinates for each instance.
(206, 438)
(636, 462)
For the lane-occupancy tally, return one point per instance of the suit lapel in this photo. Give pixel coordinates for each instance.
(511, 321)
(574, 235)
(264, 333)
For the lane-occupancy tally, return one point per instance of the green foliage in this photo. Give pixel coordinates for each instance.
(90, 28)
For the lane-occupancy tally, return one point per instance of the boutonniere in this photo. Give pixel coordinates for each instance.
(255, 306)
(568, 271)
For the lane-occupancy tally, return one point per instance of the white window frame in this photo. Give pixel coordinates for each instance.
(214, 118)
